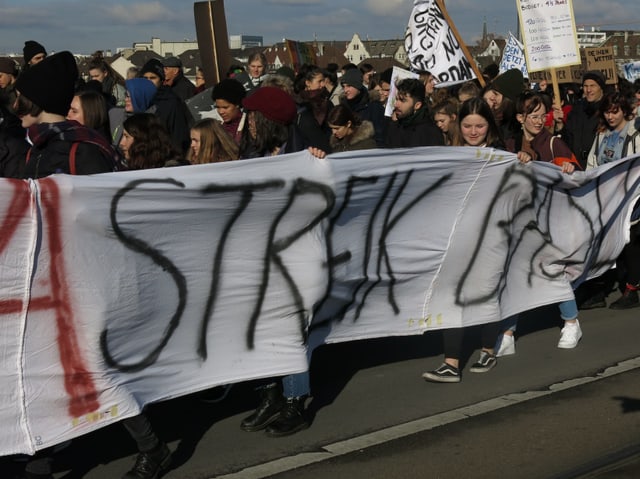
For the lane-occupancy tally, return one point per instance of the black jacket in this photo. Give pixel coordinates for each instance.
(368, 110)
(183, 88)
(580, 129)
(13, 145)
(173, 112)
(415, 130)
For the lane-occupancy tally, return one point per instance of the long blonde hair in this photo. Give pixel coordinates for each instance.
(215, 144)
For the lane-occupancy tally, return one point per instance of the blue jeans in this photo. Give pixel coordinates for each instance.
(568, 311)
(296, 385)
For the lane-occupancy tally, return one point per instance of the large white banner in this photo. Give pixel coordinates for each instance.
(432, 45)
(122, 289)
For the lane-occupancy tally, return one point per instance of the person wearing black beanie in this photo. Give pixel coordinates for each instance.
(45, 92)
(33, 53)
(168, 106)
(153, 71)
(227, 97)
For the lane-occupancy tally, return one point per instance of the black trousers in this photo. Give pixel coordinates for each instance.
(454, 337)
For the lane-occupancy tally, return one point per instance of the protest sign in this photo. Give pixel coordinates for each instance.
(513, 56)
(631, 71)
(121, 289)
(301, 54)
(572, 74)
(397, 74)
(602, 59)
(549, 34)
(432, 45)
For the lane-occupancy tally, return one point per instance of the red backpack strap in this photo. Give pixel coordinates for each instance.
(72, 158)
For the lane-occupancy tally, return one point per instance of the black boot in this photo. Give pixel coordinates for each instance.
(152, 464)
(291, 420)
(271, 403)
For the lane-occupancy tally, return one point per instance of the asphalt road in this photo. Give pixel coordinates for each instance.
(543, 413)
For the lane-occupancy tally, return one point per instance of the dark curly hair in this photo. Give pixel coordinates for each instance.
(151, 146)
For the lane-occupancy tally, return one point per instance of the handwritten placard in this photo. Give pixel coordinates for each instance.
(549, 33)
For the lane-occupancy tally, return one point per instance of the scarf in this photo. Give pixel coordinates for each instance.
(318, 103)
(73, 132)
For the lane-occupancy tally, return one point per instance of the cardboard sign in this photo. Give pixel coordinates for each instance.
(602, 59)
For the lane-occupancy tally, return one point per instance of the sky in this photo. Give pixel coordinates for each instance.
(84, 26)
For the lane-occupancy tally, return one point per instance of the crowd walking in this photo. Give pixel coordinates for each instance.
(52, 123)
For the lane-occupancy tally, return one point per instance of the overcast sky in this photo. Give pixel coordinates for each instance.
(84, 26)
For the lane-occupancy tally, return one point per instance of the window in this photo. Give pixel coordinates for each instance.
(615, 50)
(627, 50)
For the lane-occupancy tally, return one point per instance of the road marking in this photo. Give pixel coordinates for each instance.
(359, 443)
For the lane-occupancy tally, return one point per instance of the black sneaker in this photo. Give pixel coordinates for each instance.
(628, 300)
(596, 301)
(444, 374)
(486, 362)
(150, 465)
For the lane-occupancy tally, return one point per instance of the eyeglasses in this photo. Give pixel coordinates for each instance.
(535, 118)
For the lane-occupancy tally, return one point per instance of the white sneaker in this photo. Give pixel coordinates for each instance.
(570, 335)
(505, 345)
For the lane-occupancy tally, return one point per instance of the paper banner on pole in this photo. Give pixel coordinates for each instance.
(432, 46)
(397, 74)
(513, 56)
(549, 33)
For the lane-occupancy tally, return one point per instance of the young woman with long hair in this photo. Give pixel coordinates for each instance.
(210, 143)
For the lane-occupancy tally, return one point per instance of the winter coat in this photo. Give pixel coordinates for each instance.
(546, 148)
(173, 112)
(580, 129)
(361, 139)
(415, 130)
(183, 88)
(13, 145)
(313, 133)
(630, 147)
(368, 110)
(52, 145)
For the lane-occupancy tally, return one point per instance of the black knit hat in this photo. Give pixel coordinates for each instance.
(153, 66)
(509, 83)
(352, 77)
(7, 65)
(596, 76)
(31, 49)
(50, 84)
(230, 90)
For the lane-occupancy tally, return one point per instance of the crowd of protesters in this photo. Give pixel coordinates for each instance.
(53, 123)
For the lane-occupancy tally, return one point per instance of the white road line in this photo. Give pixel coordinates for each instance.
(359, 443)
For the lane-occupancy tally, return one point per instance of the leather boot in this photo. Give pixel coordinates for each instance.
(291, 420)
(271, 403)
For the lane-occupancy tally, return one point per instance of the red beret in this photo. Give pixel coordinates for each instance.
(274, 103)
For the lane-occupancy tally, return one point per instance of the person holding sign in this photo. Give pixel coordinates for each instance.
(616, 139)
(578, 130)
(535, 143)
